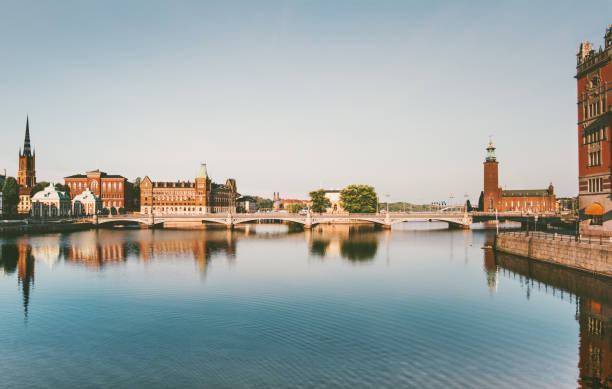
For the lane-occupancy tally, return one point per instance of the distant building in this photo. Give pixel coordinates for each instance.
(86, 203)
(334, 198)
(594, 79)
(26, 176)
(185, 197)
(1, 205)
(109, 187)
(525, 200)
(246, 204)
(51, 203)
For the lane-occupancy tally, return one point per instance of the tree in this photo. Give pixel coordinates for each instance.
(481, 202)
(10, 195)
(294, 207)
(319, 202)
(468, 206)
(39, 187)
(63, 188)
(264, 204)
(358, 199)
(132, 195)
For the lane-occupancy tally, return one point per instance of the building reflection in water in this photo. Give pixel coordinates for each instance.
(18, 257)
(200, 245)
(354, 243)
(593, 299)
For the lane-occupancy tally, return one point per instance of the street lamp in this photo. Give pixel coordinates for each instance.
(387, 202)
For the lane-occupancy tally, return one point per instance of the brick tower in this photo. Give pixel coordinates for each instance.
(594, 79)
(27, 162)
(491, 184)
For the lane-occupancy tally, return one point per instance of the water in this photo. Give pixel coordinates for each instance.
(419, 306)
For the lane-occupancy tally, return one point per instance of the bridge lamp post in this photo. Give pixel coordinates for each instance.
(387, 202)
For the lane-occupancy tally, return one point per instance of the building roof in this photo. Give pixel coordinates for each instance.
(526, 193)
(50, 193)
(86, 196)
(102, 175)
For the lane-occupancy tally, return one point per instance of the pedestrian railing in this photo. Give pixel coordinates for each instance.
(562, 237)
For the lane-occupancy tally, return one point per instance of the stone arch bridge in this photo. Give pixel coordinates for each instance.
(454, 220)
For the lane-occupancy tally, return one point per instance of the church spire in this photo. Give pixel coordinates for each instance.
(26, 142)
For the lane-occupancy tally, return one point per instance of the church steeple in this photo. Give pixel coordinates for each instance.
(26, 176)
(26, 143)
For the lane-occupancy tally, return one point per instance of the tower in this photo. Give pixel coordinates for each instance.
(27, 161)
(491, 188)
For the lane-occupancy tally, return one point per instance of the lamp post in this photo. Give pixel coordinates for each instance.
(387, 202)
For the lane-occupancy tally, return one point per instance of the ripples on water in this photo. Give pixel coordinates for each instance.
(266, 306)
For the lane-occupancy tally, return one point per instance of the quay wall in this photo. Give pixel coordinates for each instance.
(42, 228)
(589, 257)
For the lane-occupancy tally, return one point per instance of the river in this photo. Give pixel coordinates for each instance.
(265, 306)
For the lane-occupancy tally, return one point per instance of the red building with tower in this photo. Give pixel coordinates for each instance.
(109, 187)
(594, 101)
(521, 200)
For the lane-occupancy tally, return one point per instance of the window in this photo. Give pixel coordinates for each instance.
(119, 186)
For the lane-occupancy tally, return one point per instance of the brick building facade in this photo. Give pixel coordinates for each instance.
(109, 187)
(594, 103)
(186, 197)
(527, 200)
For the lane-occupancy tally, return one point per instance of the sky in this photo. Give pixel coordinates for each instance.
(292, 96)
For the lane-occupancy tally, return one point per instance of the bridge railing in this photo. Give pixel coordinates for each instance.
(562, 237)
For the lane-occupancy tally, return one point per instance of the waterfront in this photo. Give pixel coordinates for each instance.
(418, 306)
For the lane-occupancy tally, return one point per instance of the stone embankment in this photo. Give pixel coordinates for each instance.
(594, 256)
(21, 227)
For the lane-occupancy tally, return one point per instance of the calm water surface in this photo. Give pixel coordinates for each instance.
(419, 306)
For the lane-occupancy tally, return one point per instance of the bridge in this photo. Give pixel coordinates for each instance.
(461, 220)
(454, 220)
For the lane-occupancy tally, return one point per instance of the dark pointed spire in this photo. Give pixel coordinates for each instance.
(26, 142)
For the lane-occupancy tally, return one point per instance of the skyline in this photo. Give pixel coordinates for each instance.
(279, 105)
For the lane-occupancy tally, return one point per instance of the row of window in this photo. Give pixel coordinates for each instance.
(595, 158)
(595, 185)
(593, 136)
(116, 204)
(146, 210)
(93, 185)
(594, 109)
(523, 204)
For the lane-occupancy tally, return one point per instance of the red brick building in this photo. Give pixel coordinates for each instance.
(594, 92)
(109, 187)
(524, 200)
(186, 197)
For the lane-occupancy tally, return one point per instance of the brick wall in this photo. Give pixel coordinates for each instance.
(591, 257)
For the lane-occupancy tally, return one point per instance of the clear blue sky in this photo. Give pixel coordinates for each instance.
(290, 96)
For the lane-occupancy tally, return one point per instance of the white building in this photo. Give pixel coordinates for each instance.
(50, 203)
(86, 203)
(334, 198)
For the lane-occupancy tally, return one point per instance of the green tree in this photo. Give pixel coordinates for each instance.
(294, 208)
(132, 195)
(468, 206)
(319, 201)
(358, 199)
(10, 196)
(39, 187)
(264, 204)
(481, 202)
(63, 188)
